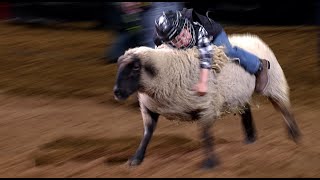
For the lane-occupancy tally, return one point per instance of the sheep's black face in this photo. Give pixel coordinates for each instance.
(128, 78)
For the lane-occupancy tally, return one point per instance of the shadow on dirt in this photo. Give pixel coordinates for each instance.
(115, 151)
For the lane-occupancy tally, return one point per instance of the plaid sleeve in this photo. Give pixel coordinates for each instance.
(205, 49)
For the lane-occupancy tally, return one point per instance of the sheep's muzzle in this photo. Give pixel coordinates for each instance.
(119, 94)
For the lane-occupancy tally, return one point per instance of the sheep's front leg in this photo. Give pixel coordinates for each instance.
(207, 139)
(150, 120)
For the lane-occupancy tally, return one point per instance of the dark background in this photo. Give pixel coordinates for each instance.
(271, 12)
(245, 12)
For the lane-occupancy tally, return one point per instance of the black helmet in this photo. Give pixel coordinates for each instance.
(169, 25)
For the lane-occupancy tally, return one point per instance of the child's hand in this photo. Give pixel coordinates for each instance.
(201, 88)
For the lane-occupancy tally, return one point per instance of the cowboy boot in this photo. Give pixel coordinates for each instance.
(262, 76)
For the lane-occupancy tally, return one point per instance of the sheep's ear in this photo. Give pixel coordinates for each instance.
(120, 59)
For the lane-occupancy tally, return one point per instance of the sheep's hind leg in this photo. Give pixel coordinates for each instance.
(293, 130)
(207, 139)
(248, 125)
(150, 120)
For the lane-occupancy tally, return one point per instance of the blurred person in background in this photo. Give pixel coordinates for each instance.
(137, 25)
(129, 29)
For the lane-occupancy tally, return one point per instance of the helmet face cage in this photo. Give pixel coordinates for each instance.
(169, 25)
(189, 27)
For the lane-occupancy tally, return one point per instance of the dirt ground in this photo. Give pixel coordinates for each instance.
(58, 117)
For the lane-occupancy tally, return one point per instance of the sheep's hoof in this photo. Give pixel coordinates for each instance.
(134, 162)
(250, 140)
(209, 163)
(294, 135)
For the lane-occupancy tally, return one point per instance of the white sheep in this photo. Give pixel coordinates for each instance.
(164, 79)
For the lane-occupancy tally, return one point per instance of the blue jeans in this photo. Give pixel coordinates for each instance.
(248, 61)
(151, 14)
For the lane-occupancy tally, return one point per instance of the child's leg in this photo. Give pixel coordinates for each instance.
(248, 61)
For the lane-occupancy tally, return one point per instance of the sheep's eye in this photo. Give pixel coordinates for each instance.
(136, 66)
